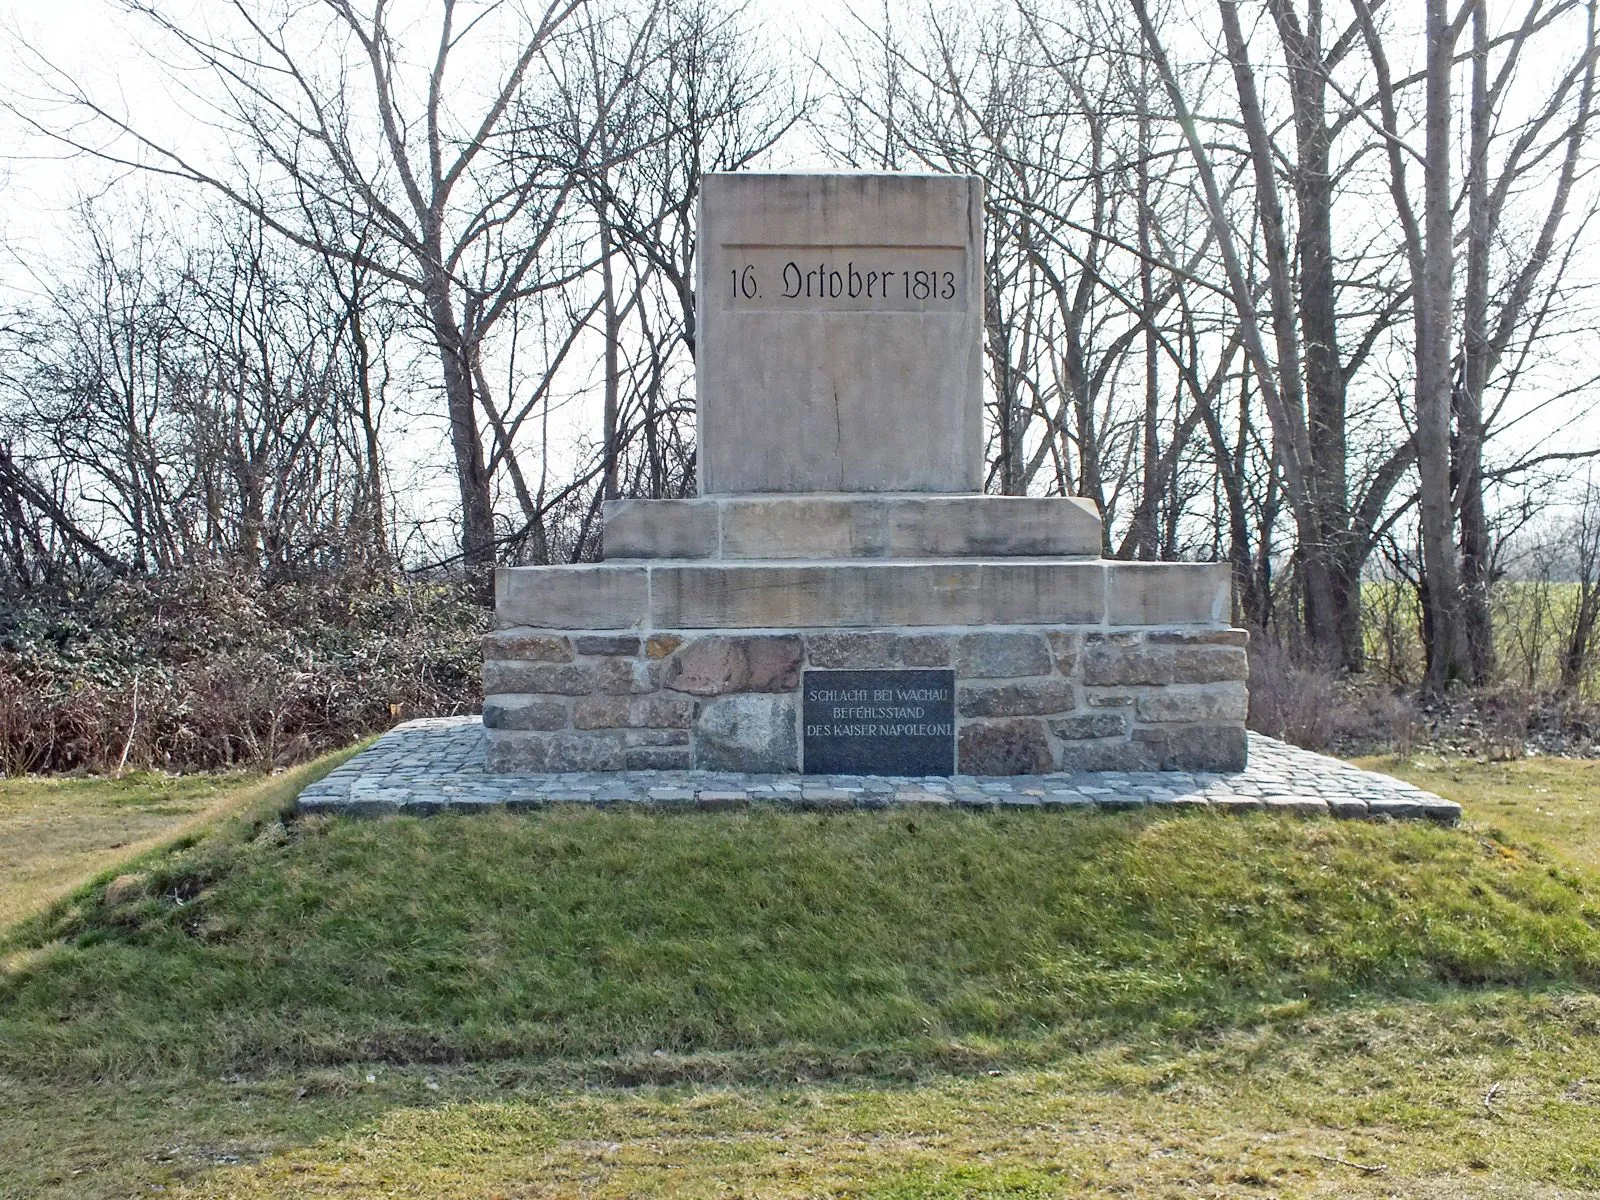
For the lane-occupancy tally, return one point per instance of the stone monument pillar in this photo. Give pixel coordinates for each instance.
(841, 598)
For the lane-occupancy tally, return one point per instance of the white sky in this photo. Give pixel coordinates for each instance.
(97, 45)
(94, 42)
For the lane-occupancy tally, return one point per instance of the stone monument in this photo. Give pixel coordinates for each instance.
(840, 597)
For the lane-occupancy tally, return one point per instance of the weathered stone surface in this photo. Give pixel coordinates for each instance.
(1212, 702)
(923, 650)
(587, 596)
(527, 645)
(821, 527)
(854, 593)
(655, 737)
(1056, 592)
(1001, 655)
(563, 679)
(746, 733)
(1167, 593)
(1215, 747)
(509, 751)
(815, 595)
(851, 650)
(619, 712)
(711, 666)
(657, 758)
(826, 389)
(1109, 664)
(1098, 698)
(1066, 648)
(992, 526)
(1398, 807)
(1208, 664)
(882, 593)
(721, 799)
(1437, 808)
(607, 643)
(1198, 637)
(659, 529)
(904, 526)
(1107, 754)
(1033, 697)
(1090, 725)
(821, 798)
(661, 645)
(1125, 638)
(522, 711)
(600, 712)
(662, 711)
(435, 762)
(1018, 747)
(626, 676)
(843, 526)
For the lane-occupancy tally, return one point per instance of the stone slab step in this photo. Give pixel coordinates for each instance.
(673, 595)
(437, 764)
(852, 526)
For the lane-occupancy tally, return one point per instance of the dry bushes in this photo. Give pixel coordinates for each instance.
(1314, 706)
(210, 667)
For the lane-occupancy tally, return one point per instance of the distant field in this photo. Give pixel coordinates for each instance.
(1532, 621)
(877, 1005)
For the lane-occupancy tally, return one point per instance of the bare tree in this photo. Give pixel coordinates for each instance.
(455, 206)
(177, 401)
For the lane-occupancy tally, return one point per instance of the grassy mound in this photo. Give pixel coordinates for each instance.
(746, 943)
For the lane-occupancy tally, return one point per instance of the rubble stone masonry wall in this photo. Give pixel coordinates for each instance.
(1028, 700)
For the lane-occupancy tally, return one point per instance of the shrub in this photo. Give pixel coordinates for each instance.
(1314, 706)
(210, 667)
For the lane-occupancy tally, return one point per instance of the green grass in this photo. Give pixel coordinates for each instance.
(1551, 802)
(1279, 1110)
(55, 833)
(876, 1005)
(862, 938)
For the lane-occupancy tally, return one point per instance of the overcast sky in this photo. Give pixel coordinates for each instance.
(97, 44)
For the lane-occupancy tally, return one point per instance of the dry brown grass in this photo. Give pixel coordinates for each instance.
(57, 833)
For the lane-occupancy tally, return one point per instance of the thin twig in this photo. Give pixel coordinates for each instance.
(1488, 1102)
(1364, 1168)
(133, 723)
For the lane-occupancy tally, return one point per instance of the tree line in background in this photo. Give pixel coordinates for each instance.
(1299, 285)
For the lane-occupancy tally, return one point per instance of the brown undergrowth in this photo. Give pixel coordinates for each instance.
(213, 668)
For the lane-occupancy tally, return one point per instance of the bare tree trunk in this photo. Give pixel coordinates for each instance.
(1468, 399)
(1312, 182)
(613, 332)
(1283, 388)
(1145, 516)
(477, 513)
(1448, 661)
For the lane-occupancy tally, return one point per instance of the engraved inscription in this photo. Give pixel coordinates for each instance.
(844, 278)
(879, 722)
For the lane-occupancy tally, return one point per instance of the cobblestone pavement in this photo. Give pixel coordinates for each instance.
(437, 764)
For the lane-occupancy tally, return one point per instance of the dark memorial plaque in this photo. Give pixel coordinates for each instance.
(879, 722)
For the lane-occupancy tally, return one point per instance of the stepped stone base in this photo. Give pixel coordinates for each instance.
(687, 649)
(841, 526)
(1047, 697)
(679, 594)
